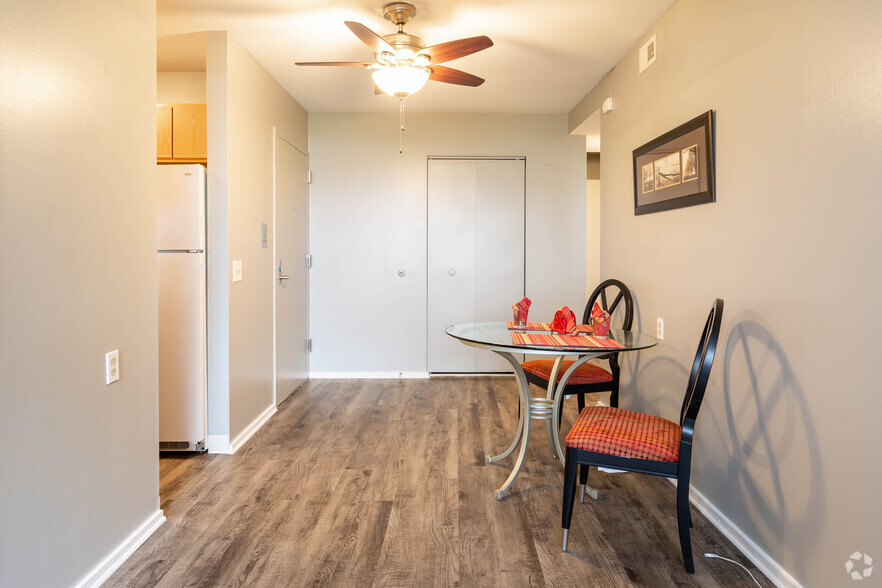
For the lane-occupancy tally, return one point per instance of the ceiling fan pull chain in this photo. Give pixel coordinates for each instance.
(401, 125)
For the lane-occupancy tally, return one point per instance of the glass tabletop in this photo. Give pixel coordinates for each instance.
(497, 336)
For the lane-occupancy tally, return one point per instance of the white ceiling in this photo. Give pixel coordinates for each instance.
(547, 54)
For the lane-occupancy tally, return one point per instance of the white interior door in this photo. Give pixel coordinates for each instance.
(291, 241)
(475, 254)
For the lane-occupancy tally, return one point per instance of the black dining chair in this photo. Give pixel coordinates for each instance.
(588, 377)
(605, 436)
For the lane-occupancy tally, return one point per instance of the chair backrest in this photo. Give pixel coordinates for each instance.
(616, 291)
(701, 368)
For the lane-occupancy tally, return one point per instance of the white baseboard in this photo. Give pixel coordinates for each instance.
(218, 444)
(123, 551)
(762, 560)
(221, 443)
(243, 437)
(368, 375)
(472, 375)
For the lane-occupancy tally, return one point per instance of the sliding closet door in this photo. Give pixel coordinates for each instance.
(475, 254)
(499, 248)
(452, 194)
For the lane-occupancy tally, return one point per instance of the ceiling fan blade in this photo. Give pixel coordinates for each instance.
(336, 63)
(448, 75)
(455, 49)
(370, 38)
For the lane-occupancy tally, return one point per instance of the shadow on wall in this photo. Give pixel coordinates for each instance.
(774, 480)
(763, 469)
(658, 386)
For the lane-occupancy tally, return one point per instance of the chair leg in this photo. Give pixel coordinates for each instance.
(614, 395)
(684, 521)
(569, 495)
(580, 398)
(583, 481)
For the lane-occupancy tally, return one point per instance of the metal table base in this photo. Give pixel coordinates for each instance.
(540, 408)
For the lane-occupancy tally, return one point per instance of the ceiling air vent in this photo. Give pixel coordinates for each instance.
(648, 53)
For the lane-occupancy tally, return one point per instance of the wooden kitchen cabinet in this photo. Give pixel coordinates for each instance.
(181, 133)
(163, 131)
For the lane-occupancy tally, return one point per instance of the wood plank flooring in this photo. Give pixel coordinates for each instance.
(383, 482)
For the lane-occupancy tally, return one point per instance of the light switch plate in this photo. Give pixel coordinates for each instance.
(111, 367)
(237, 270)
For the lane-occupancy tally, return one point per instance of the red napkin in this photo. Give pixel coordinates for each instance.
(564, 321)
(600, 321)
(520, 310)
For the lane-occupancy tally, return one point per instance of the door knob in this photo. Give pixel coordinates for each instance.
(281, 269)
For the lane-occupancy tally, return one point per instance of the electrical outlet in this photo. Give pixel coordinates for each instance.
(111, 367)
(660, 329)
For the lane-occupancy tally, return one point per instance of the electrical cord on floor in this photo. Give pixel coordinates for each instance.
(715, 556)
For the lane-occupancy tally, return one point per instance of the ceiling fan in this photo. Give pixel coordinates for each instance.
(403, 62)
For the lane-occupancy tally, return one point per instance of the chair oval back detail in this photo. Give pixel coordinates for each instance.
(701, 368)
(619, 292)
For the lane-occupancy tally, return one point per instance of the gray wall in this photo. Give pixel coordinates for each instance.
(78, 463)
(787, 440)
(244, 104)
(368, 220)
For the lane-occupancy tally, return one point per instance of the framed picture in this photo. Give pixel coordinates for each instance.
(676, 169)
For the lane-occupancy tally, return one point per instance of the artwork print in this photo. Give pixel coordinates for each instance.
(677, 168)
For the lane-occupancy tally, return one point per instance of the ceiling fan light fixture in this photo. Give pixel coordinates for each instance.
(400, 80)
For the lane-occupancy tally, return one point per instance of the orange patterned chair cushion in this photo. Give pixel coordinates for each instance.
(587, 373)
(616, 431)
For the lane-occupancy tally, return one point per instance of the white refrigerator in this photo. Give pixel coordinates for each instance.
(180, 243)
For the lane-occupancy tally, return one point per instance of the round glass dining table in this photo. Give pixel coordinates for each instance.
(497, 337)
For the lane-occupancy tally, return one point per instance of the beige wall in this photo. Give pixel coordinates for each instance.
(180, 87)
(592, 234)
(368, 220)
(244, 104)
(218, 251)
(78, 459)
(787, 440)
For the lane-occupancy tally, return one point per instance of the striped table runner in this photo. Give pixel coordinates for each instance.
(531, 326)
(555, 340)
(547, 327)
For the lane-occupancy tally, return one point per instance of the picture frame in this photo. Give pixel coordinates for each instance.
(676, 169)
